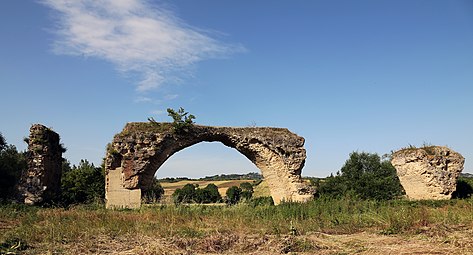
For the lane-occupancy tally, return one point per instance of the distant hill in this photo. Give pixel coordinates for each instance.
(221, 177)
(466, 175)
(228, 177)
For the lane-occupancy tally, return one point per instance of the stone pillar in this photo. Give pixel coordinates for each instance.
(116, 195)
(42, 180)
(428, 172)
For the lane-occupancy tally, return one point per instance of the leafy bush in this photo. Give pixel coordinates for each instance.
(213, 193)
(190, 193)
(184, 195)
(84, 183)
(364, 175)
(464, 188)
(12, 164)
(182, 120)
(246, 190)
(233, 195)
(153, 193)
(260, 201)
(207, 195)
(3, 142)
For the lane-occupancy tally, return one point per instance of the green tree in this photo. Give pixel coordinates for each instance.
(246, 190)
(366, 176)
(182, 120)
(12, 164)
(176, 196)
(153, 193)
(190, 193)
(233, 195)
(3, 142)
(84, 183)
(334, 186)
(464, 188)
(66, 166)
(214, 195)
(185, 195)
(202, 196)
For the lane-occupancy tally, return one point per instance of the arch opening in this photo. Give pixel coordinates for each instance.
(205, 163)
(206, 159)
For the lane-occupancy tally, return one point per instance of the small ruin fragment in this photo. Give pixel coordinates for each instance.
(42, 180)
(429, 172)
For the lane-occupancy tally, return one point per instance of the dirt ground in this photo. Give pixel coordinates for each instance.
(457, 241)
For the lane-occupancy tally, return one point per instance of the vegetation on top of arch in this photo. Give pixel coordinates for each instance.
(182, 120)
(136, 127)
(427, 147)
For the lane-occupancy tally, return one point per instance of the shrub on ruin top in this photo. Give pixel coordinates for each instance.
(182, 120)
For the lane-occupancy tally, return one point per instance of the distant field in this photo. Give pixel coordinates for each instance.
(170, 187)
(261, 190)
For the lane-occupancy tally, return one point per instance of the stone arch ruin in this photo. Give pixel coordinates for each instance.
(140, 149)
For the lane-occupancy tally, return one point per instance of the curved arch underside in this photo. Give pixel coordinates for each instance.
(140, 149)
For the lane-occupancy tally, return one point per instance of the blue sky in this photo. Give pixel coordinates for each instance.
(348, 76)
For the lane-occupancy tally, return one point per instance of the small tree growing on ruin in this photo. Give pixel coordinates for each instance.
(182, 120)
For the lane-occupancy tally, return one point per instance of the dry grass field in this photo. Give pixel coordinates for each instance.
(323, 226)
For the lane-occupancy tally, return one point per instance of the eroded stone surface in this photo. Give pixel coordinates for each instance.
(41, 182)
(141, 148)
(429, 172)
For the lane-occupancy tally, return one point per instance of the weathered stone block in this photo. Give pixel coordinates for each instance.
(42, 181)
(429, 172)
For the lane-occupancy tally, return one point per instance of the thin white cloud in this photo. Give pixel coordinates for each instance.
(136, 36)
(142, 99)
(171, 97)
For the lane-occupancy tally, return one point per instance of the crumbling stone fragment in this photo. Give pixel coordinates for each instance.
(429, 172)
(41, 182)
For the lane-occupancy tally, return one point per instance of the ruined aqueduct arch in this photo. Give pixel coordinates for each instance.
(140, 149)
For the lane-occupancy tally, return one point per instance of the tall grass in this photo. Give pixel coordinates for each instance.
(59, 226)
